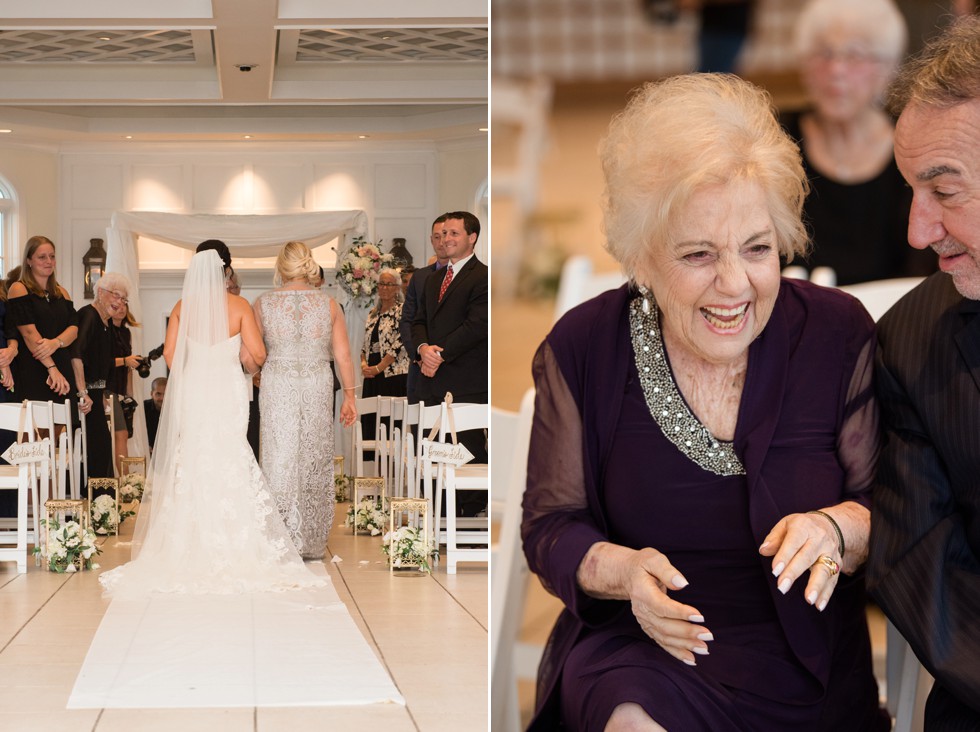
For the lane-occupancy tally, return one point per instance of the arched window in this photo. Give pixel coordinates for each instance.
(7, 212)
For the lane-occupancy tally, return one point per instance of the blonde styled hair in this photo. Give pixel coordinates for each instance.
(295, 260)
(681, 135)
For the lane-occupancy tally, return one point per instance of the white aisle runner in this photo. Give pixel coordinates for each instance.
(270, 649)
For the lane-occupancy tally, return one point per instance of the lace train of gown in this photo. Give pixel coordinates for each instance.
(215, 528)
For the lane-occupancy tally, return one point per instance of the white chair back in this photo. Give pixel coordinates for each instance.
(51, 416)
(579, 283)
(508, 581)
(878, 296)
(14, 532)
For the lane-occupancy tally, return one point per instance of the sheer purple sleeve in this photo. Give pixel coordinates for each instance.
(859, 440)
(558, 527)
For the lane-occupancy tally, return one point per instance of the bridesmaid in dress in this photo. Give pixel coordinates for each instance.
(303, 328)
(8, 352)
(41, 313)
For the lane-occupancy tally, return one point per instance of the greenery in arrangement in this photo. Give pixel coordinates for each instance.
(341, 487)
(368, 515)
(358, 270)
(406, 547)
(131, 487)
(69, 547)
(105, 517)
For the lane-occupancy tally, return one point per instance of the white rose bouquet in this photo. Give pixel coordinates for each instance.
(368, 515)
(406, 547)
(105, 517)
(358, 270)
(69, 547)
(131, 487)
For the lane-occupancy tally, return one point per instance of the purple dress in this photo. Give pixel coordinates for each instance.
(806, 438)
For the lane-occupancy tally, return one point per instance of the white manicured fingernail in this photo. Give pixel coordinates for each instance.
(696, 618)
(812, 597)
(705, 636)
(778, 569)
(764, 545)
(822, 606)
(785, 585)
(700, 651)
(689, 661)
(679, 582)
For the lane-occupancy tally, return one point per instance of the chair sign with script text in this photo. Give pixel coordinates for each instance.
(445, 452)
(28, 452)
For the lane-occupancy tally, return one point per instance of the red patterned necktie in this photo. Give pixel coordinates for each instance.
(445, 282)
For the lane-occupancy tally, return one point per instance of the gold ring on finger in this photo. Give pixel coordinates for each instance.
(832, 566)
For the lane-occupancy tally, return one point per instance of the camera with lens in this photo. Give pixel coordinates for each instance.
(146, 362)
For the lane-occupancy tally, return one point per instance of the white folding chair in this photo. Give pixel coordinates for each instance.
(473, 532)
(509, 659)
(14, 534)
(908, 683)
(365, 406)
(64, 467)
(579, 283)
(878, 296)
(419, 474)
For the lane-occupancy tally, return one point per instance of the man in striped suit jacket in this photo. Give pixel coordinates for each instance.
(924, 565)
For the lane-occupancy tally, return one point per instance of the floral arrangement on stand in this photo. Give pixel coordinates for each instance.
(69, 547)
(106, 518)
(358, 269)
(341, 487)
(131, 487)
(368, 515)
(407, 547)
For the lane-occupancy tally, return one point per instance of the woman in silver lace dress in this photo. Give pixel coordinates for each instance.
(302, 327)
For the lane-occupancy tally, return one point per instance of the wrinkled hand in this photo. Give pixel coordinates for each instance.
(348, 413)
(44, 348)
(85, 404)
(367, 371)
(6, 378)
(674, 626)
(57, 382)
(6, 356)
(795, 543)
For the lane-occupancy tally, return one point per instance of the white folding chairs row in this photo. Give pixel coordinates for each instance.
(69, 446)
(467, 540)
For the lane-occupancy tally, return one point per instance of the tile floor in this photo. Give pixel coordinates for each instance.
(430, 632)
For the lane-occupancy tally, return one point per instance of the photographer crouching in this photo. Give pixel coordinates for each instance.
(121, 383)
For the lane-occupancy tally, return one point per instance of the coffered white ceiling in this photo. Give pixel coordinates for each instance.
(221, 69)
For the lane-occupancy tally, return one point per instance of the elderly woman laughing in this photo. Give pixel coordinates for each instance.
(703, 445)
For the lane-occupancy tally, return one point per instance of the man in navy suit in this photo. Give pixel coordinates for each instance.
(924, 564)
(416, 287)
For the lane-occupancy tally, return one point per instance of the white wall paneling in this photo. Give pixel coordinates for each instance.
(399, 186)
(97, 186)
(280, 188)
(221, 188)
(412, 230)
(157, 188)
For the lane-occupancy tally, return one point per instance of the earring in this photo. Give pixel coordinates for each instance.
(645, 291)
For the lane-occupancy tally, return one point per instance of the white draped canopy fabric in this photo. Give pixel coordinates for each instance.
(247, 235)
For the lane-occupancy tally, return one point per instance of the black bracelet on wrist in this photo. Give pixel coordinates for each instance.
(840, 535)
(52, 366)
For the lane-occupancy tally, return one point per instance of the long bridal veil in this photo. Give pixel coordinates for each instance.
(203, 319)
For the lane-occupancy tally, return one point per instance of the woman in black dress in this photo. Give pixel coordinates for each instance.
(41, 315)
(124, 361)
(92, 365)
(8, 352)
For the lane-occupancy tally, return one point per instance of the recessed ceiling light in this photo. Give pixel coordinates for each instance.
(484, 129)
(129, 137)
(104, 38)
(5, 132)
(362, 137)
(247, 137)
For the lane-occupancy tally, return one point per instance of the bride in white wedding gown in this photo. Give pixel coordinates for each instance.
(207, 524)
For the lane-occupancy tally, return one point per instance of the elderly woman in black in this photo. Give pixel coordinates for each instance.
(92, 366)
